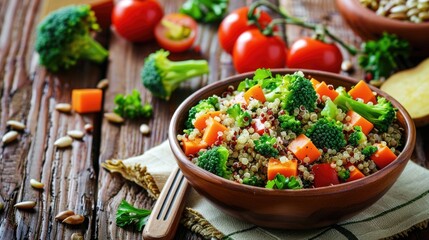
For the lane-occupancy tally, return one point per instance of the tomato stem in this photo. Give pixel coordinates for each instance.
(287, 19)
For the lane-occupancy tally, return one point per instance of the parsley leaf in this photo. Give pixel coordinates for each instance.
(127, 214)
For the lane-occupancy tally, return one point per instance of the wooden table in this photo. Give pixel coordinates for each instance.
(73, 178)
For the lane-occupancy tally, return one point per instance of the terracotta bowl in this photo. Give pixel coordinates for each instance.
(368, 25)
(289, 209)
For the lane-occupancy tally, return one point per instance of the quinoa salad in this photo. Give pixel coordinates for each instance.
(290, 132)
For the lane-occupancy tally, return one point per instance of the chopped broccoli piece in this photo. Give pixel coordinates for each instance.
(330, 110)
(326, 133)
(357, 137)
(205, 11)
(288, 122)
(369, 150)
(265, 146)
(214, 160)
(253, 181)
(162, 76)
(242, 117)
(130, 106)
(293, 90)
(344, 174)
(381, 114)
(63, 38)
(282, 182)
(206, 105)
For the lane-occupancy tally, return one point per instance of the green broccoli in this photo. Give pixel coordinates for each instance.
(381, 114)
(293, 90)
(288, 122)
(162, 76)
(265, 146)
(205, 11)
(357, 137)
(369, 150)
(130, 106)
(214, 160)
(253, 181)
(282, 182)
(206, 105)
(344, 174)
(242, 117)
(63, 38)
(330, 110)
(327, 133)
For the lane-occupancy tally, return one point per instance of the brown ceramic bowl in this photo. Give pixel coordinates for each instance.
(368, 25)
(289, 209)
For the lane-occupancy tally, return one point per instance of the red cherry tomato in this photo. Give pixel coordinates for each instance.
(235, 24)
(176, 32)
(135, 20)
(254, 50)
(324, 175)
(310, 53)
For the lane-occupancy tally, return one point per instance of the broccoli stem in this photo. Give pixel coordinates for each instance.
(93, 51)
(182, 70)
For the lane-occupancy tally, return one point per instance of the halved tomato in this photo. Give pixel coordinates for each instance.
(176, 32)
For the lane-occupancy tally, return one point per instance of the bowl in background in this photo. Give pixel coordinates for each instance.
(368, 25)
(289, 209)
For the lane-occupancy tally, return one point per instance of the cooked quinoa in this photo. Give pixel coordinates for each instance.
(245, 162)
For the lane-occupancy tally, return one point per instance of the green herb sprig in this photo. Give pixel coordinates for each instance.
(282, 182)
(206, 11)
(130, 106)
(127, 215)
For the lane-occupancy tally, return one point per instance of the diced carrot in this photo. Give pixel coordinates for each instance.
(355, 174)
(87, 100)
(211, 132)
(302, 147)
(200, 122)
(287, 169)
(256, 93)
(324, 90)
(383, 156)
(193, 147)
(354, 119)
(314, 82)
(361, 90)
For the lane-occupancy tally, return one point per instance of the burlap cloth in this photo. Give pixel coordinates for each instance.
(404, 207)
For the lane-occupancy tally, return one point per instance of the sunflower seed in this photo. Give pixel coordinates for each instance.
(36, 184)
(399, 9)
(103, 84)
(64, 214)
(113, 117)
(63, 107)
(76, 134)
(63, 142)
(10, 137)
(15, 125)
(1, 207)
(144, 128)
(88, 127)
(76, 236)
(346, 66)
(25, 205)
(74, 219)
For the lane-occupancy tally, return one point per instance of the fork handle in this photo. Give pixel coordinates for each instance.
(165, 216)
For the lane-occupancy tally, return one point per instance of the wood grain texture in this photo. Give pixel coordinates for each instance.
(73, 178)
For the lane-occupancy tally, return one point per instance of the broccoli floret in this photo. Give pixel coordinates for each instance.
(282, 182)
(327, 133)
(357, 137)
(265, 146)
(242, 118)
(381, 114)
(130, 106)
(294, 91)
(63, 38)
(162, 76)
(206, 105)
(344, 174)
(369, 150)
(253, 181)
(288, 122)
(214, 160)
(330, 110)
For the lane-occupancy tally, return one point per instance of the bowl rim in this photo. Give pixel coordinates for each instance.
(180, 157)
(368, 13)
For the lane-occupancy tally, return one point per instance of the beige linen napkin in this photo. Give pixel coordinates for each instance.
(404, 207)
